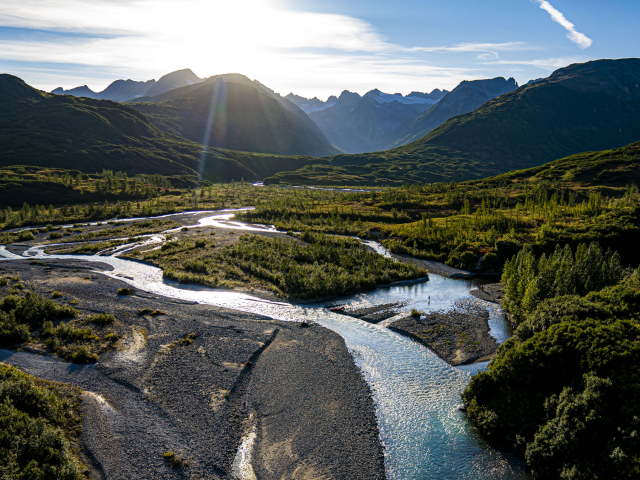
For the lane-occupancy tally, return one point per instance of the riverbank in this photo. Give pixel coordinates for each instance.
(459, 336)
(493, 292)
(225, 365)
(431, 266)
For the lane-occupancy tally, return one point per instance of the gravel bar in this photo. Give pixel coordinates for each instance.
(158, 392)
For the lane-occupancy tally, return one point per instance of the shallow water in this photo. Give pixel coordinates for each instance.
(417, 395)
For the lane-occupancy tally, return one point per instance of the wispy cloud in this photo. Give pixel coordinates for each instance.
(475, 47)
(580, 39)
(544, 63)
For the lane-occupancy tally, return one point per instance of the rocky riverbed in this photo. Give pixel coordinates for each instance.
(459, 336)
(189, 381)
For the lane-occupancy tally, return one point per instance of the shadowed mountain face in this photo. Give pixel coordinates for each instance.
(465, 98)
(314, 104)
(362, 124)
(60, 131)
(239, 116)
(123, 90)
(583, 107)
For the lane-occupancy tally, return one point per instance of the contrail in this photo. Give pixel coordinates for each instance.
(576, 37)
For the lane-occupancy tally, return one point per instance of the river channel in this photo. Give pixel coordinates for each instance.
(417, 395)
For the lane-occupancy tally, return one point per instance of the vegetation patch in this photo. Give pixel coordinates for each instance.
(175, 460)
(36, 320)
(40, 424)
(565, 387)
(314, 266)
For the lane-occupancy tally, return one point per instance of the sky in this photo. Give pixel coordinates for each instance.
(310, 47)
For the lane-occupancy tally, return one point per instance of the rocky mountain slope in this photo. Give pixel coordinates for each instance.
(355, 123)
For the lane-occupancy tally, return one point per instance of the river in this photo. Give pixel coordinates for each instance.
(417, 395)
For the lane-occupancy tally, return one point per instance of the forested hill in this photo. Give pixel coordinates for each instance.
(228, 114)
(583, 107)
(41, 129)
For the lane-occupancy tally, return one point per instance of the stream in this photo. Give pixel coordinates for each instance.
(417, 395)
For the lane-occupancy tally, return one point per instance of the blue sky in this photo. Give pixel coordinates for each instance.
(310, 47)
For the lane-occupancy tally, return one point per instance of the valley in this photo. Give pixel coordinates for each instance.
(201, 277)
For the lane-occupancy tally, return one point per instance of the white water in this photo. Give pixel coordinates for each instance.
(416, 394)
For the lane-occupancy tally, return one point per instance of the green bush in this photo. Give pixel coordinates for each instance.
(33, 309)
(566, 386)
(33, 421)
(125, 291)
(175, 460)
(55, 235)
(26, 235)
(101, 319)
(83, 354)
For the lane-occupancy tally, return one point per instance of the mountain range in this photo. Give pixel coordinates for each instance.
(123, 90)
(355, 123)
(583, 107)
(465, 98)
(62, 131)
(481, 128)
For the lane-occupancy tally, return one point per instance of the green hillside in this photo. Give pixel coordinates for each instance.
(235, 116)
(583, 107)
(609, 168)
(61, 131)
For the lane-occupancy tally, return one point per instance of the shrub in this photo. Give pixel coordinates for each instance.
(33, 415)
(26, 235)
(55, 235)
(175, 460)
(56, 295)
(101, 319)
(82, 354)
(201, 243)
(125, 291)
(416, 313)
(112, 337)
(33, 310)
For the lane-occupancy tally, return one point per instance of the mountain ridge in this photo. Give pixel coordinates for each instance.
(465, 98)
(236, 116)
(76, 133)
(123, 90)
(582, 107)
